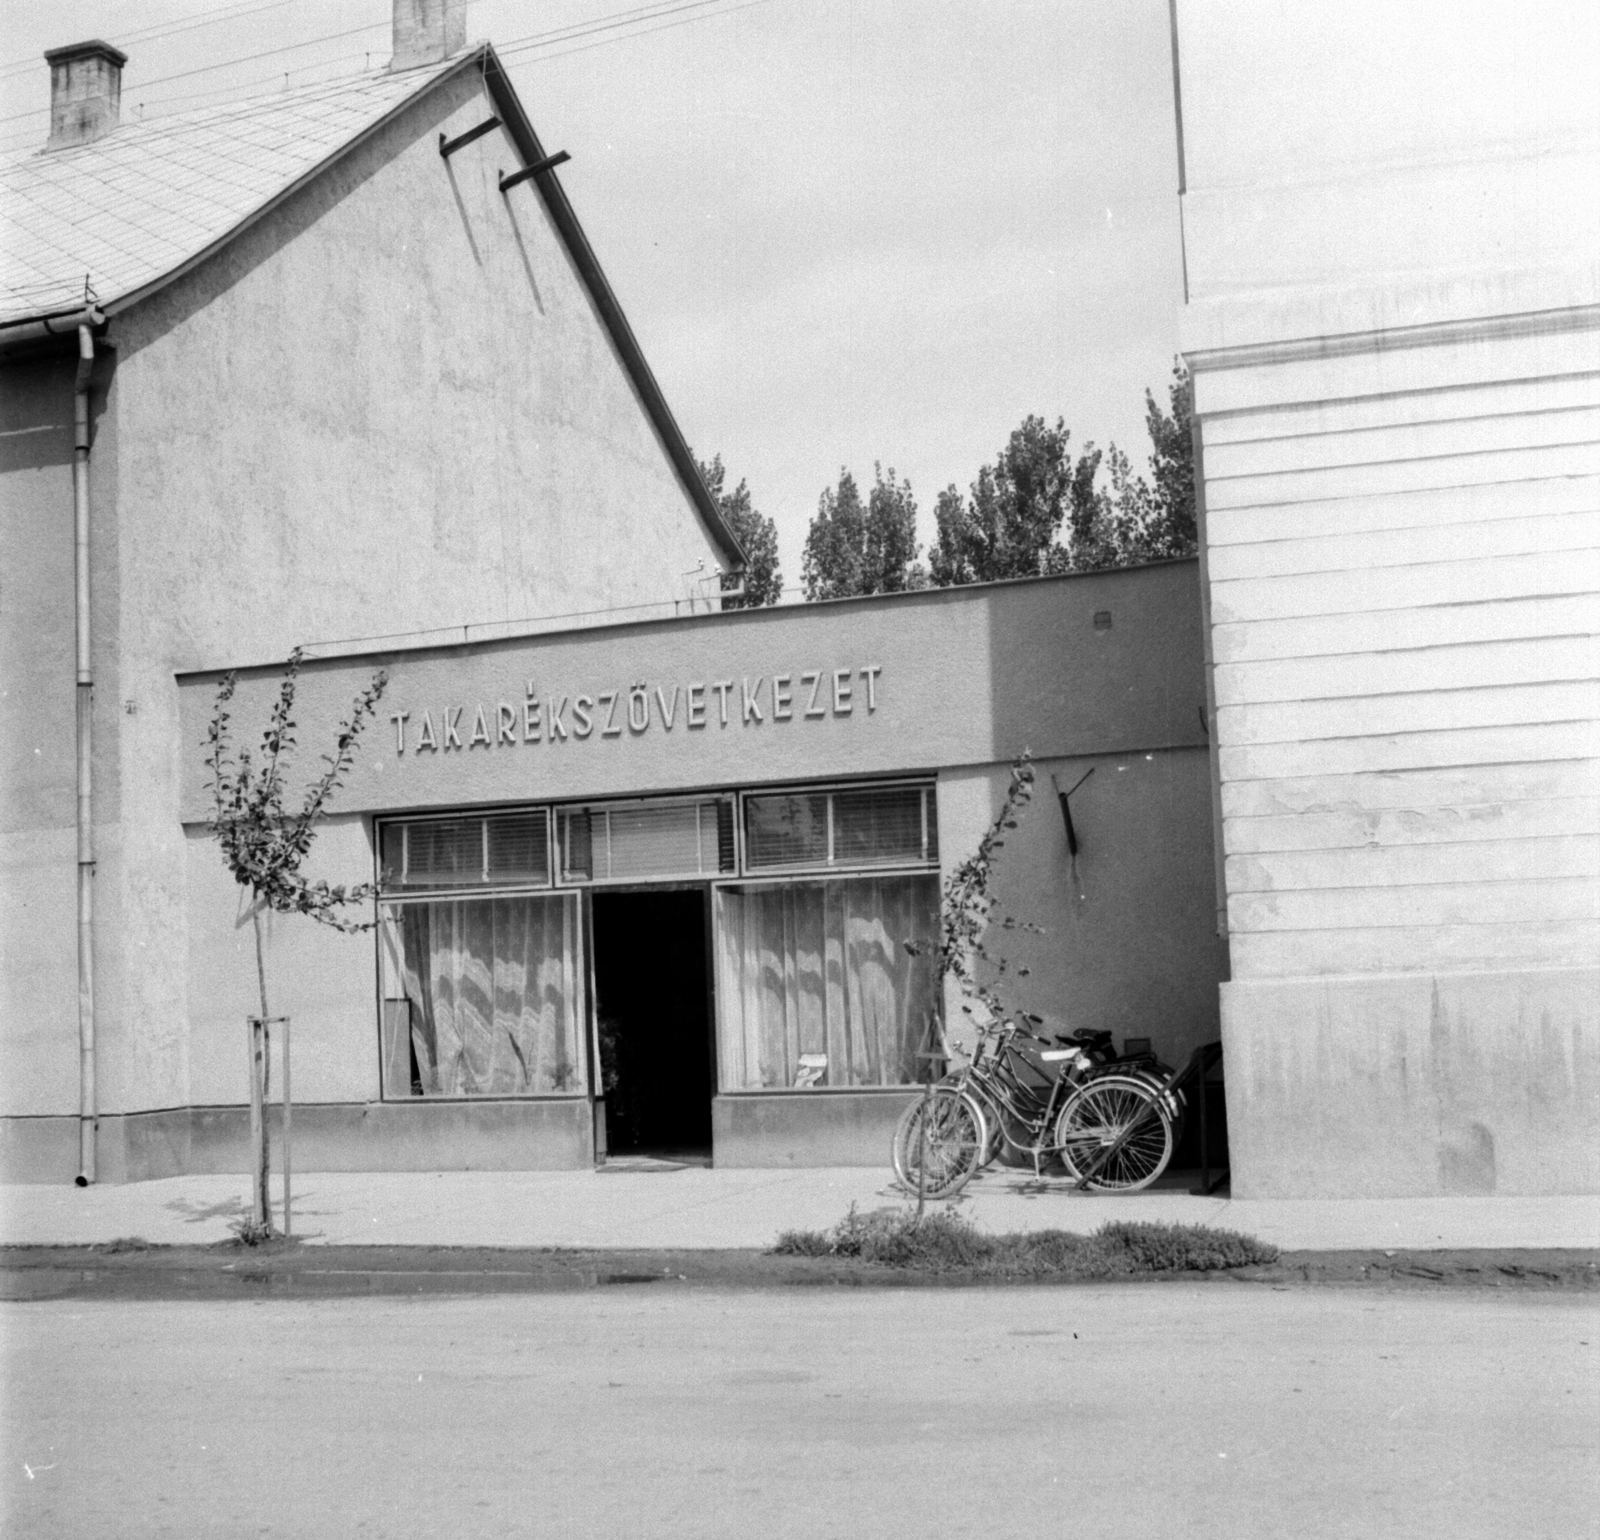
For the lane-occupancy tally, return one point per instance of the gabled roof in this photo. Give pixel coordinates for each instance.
(127, 211)
(109, 222)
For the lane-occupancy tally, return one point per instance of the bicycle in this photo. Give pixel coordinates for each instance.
(1113, 1123)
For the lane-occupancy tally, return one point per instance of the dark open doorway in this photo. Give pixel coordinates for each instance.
(654, 1021)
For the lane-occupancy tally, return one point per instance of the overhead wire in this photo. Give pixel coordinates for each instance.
(236, 11)
(640, 32)
(626, 24)
(249, 58)
(611, 20)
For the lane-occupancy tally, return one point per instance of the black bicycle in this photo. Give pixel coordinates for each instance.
(1111, 1122)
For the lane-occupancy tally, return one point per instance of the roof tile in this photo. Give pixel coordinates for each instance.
(104, 219)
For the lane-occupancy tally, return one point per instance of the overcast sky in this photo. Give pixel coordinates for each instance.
(844, 232)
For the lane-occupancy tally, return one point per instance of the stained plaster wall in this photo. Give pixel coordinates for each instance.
(390, 404)
(1364, 145)
(38, 843)
(1394, 334)
(1126, 941)
(320, 977)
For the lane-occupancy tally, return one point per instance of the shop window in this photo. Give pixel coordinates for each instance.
(884, 825)
(634, 842)
(483, 996)
(819, 971)
(854, 827)
(499, 850)
(517, 849)
(786, 829)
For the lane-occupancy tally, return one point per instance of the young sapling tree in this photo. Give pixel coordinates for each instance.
(264, 843)
(962, 952)
(966, 906)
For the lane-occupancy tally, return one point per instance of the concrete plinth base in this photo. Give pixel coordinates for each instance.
(1414, 1085)
(554, 1135)
(807, 1128)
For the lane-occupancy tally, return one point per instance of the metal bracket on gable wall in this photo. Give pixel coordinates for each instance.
(549, 163)
(448, 147)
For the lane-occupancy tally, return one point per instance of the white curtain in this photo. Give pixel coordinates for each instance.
(822, 968)
(493, 996)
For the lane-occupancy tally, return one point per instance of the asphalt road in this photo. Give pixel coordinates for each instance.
(1204, 1409)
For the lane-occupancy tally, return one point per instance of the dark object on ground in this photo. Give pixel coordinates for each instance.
(948, 1243)
(130, 1268)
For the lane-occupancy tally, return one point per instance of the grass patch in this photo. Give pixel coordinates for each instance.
(246, 1232)
(949, 1243)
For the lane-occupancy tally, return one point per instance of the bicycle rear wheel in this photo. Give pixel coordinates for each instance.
(943, 1161)
(1097, 1115)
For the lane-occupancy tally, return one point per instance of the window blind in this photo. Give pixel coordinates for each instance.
(851, 827)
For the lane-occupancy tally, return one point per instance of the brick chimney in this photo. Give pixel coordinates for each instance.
(427, 31)
(85, 92)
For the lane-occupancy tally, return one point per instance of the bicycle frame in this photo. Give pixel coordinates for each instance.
(998, 1088)
(992, 1080)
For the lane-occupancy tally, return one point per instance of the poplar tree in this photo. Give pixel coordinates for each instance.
(1006, 527)
(831, 565)
(1133, 520)
(762, 581)
(1008, 524)
(854, 548)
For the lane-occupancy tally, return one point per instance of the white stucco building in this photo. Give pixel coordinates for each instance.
(1391, 217)
(298, 368)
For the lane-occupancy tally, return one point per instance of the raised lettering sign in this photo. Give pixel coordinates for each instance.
(820, 694)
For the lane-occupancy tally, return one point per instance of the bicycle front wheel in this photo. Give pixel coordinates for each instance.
(939, 1142)
(1097, 1116)
(994, 1135)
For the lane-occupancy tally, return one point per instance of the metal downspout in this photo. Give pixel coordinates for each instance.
(85, 701)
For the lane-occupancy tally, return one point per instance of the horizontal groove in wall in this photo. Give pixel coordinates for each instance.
(1510, 781)
(1534, 900)
(1457, 666)
(1537, 858)
(1447, 748)
(1414, 508)
(1403, 474)
(1464, 540)
(1446, 403)
(1398, 442)
(1377, 371)
(1415, 949)
(1417, 585)
(1418, 824)
(1408, 711)
(1415, 628)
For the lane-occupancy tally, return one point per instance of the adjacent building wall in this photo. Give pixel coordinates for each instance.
(1368, 146)
(1395, 333)
(389, 405)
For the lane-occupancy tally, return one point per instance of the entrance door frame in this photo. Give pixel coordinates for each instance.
(701, 885)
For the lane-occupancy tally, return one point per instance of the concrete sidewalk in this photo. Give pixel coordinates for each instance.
(662, 1206)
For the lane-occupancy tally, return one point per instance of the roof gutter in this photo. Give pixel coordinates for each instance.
(22, 333)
